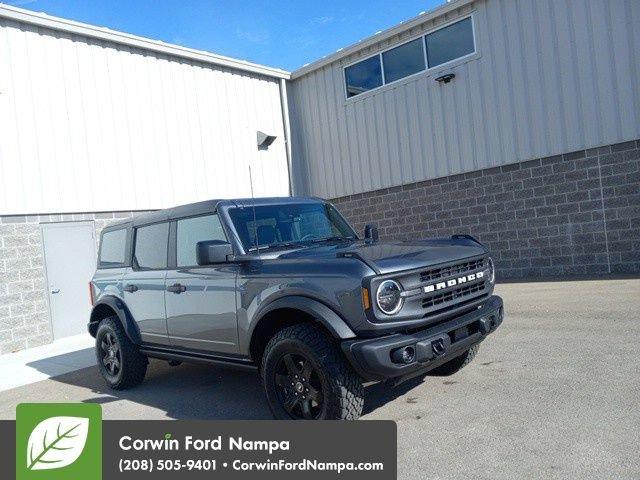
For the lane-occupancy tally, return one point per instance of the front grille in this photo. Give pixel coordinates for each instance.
(455, 295)
(460, 268)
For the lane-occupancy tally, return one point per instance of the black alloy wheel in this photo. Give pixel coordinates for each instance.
(299, 387)
(111, 356)
(306, 376)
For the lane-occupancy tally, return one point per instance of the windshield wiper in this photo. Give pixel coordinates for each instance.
(335, 238)
(275, 245)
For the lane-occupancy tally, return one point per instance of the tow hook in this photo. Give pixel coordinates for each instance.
(438, 347)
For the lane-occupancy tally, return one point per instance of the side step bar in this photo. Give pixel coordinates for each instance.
(197, 357)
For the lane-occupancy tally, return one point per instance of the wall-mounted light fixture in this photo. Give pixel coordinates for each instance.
(264, 140)
(446, 78)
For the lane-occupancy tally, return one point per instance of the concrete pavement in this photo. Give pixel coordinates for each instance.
(39, 363)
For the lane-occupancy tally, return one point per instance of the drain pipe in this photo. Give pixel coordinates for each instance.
(284, 105)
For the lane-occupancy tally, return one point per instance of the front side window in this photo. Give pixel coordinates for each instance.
(269, 226)
(403, 61)
(112, 248)
(150, 251)
(190, 231)
(450, 42)
(363, 76)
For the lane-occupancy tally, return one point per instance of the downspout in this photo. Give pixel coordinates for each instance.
(284, 105)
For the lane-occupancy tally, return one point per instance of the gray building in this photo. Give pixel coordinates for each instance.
(515, 121)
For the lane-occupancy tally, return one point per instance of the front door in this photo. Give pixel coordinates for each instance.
(143, 284)
(70, 260)
(200, 300)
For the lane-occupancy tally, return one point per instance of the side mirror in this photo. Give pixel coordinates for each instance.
(212, 251)
(370, 233)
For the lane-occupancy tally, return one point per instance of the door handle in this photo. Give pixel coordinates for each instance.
(57, 290)
(176, 288)
(130, 288)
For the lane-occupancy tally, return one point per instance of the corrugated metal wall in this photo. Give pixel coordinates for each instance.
(550, 76)
(87, 125)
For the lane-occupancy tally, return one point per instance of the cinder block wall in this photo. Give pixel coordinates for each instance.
(24, 310)
(571, 214)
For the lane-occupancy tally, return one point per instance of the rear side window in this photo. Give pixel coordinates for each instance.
(194, 230)
(150, 249)
(112, 248)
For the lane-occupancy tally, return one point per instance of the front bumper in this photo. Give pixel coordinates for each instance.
(433, 346)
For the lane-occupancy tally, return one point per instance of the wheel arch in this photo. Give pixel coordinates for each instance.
(291, 310)
(109, 306)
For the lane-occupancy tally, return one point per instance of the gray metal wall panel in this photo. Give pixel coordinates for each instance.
(550, 76)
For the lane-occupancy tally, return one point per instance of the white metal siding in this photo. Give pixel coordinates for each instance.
(89, 125)
(550, 76)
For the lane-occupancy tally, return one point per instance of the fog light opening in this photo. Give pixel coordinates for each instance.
(404, 355)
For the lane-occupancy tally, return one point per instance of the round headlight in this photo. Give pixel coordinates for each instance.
(492, 270)
(388, 297)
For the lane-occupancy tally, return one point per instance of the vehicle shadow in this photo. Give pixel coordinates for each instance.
(66, 362)
(191, 391)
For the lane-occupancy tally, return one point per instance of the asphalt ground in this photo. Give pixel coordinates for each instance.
(554, 393)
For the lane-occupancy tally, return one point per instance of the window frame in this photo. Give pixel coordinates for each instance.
(134, 236)
(427, 69)
(172, 263)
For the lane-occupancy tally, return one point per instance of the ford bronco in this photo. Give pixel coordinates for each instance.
(286, 287)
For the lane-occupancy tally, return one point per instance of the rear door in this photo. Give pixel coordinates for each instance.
(201, 301)
(143, 284)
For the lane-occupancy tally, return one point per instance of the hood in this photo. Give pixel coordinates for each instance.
(389, 257)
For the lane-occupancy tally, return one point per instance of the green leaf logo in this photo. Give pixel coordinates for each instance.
(56, 442)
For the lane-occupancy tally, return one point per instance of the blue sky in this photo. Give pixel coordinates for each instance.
(279, 33)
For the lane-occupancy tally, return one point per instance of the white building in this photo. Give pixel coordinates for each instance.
(97, 124)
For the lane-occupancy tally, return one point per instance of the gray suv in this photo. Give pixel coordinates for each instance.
(285, 286)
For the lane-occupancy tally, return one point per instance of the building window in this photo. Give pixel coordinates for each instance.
(363, 76)
(403, 61)
(450, 42)
(112, 248)
(429, 51)
(194, 230)
(150, 250)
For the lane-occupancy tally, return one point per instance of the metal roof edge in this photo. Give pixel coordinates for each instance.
(379, 37)
(61, 24)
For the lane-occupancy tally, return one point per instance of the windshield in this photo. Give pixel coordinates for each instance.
(272, 226)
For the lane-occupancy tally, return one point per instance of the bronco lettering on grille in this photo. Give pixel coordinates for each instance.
(453, 282)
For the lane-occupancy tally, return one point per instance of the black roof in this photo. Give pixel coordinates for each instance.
(207, 206)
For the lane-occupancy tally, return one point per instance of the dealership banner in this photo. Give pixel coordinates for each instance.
(70, 441)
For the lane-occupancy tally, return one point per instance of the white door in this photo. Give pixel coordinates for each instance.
(70, 260)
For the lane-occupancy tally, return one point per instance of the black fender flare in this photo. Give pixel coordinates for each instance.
(318, 310)
(123, 314)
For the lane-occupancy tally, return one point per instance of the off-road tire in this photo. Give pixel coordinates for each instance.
(456, 364)
(133, 363)
(343, 392)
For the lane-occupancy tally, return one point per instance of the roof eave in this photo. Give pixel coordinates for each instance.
(369, 41)
(83, 29)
